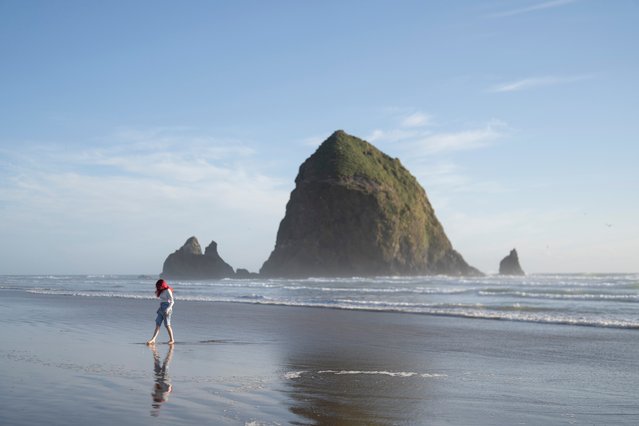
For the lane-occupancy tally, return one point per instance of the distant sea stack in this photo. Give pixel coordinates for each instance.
(189, 263)
(509, 265)
(355, 211)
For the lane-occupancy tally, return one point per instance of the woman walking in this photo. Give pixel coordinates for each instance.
(165, 294)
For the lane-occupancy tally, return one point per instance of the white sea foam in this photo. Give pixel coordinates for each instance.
(561, 295)
(381, 373)
(291, 375)
(477, 311)
(91, 294)
(589, 300)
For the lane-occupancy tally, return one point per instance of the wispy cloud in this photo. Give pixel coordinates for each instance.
(313, 141)
(153, 187)
(415, 134)
(426, 153)
(394, 135)
(448, 177)
(421, 142)
(532, 8)
(164, 160)
(407, 126)
(534, 82)
(416, 119)
(462, 140)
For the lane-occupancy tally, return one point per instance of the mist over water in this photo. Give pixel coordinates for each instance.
(597, 300)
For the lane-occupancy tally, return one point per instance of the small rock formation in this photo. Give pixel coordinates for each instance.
(189, 263)
(355, 211)
(241, 273)
(509, 265)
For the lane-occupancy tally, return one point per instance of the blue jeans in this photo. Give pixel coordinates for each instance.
(163, 316)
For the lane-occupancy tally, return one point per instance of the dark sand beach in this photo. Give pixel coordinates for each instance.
(82, 360)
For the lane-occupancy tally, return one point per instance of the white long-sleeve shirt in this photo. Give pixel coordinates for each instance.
(167, 297)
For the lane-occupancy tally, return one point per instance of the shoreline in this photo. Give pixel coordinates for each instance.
(612, 324)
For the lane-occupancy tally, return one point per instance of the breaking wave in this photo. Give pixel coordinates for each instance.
(596, 300)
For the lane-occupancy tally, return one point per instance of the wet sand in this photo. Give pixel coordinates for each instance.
(82, 360)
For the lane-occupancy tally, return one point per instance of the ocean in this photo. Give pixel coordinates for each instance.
(594, 300)
(534, 350)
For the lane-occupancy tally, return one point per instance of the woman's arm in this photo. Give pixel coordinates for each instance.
(170, 299)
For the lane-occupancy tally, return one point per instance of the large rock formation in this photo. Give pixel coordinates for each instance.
(509, 265)
(189, 263)
(357, 212)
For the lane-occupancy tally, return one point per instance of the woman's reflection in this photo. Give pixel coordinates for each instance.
(162, 387)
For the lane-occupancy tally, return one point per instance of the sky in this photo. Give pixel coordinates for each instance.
(128, 127)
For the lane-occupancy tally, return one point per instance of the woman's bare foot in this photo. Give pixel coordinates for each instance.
(150, 342)
(171, 342)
